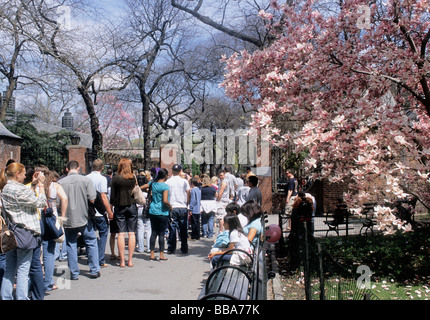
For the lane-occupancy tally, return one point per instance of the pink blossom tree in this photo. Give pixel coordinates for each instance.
(119, 124)
(356, 77)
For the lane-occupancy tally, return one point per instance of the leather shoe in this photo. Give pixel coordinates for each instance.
(95, 276)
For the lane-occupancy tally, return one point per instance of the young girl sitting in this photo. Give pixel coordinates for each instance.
(238, 240)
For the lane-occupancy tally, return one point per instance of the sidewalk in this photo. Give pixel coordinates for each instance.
(180, 278)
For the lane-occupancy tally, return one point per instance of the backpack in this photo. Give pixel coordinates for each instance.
(145, 211)
(96, 205)
(305, 211)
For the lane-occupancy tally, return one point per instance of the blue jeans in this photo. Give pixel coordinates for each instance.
(2, 267)
(61, 250)
(37, 284)
(179, 223)
(90, 239)
(49, 263)
(101, 224)
(216, 258)
(208, 224)
(17, 264)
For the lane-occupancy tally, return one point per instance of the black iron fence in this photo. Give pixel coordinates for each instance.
(53, 158)
(323, 277)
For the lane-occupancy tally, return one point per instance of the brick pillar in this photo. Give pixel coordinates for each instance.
(9, 149)
(78, 153)
(264, 172)
(169, 155)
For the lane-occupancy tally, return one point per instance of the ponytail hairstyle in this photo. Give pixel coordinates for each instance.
(162, 174)
(9, 173)
(252, 210)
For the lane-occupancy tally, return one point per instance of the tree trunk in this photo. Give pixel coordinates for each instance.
(94, 122)
(7, 98)
(145, 128)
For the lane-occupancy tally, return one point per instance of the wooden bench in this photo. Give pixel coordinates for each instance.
(232, 282)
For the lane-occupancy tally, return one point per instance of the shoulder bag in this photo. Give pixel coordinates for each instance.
(137, 194)
(25, 239)
(53, 230)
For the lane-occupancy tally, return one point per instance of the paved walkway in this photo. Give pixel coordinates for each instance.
(182, 277)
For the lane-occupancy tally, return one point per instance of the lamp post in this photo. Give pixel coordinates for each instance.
(75, 139)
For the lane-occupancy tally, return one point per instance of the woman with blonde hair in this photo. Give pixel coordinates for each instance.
(125, 209)
(19, 205)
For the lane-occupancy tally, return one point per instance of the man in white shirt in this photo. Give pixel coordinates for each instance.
(231, 180)
(101, 220)
(179, 198)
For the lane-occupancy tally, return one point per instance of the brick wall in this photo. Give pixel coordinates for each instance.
(77, 153)
(9, 149)
(331, 192)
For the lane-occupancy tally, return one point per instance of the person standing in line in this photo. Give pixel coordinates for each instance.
(125, 212)
(223, 199)
(254, 191)
(19, 205)
(159, 212)
(249, 172)
(208, 204)
(231, 180)
(143, 233)
(214, 182)
(54, 191)
(79, 190)
(179, 198)
(108, 176)
(36, 290)
(242, 193)
(101, 219)
(195, 200)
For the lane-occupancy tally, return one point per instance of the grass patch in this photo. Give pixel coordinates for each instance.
(399, 263)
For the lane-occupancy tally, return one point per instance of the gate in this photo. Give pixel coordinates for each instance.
(53, 158)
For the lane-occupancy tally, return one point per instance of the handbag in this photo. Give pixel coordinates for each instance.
(7, 238)
(25, 239)
(138, 195)
(53, 230)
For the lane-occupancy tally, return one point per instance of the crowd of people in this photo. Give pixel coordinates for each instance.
(97, 209)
